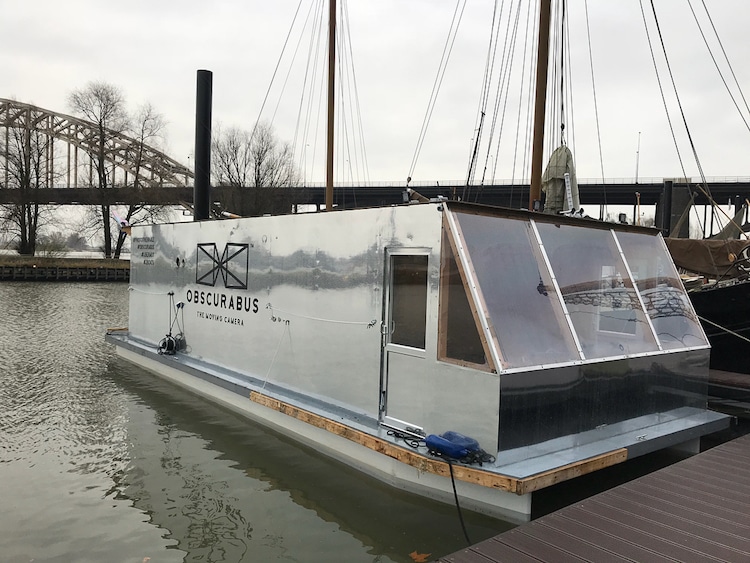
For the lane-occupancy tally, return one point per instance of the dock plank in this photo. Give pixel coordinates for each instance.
(709, 514)
(612, 543)
(695, 510)
(490, 551)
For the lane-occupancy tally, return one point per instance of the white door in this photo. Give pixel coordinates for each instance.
(404, 334)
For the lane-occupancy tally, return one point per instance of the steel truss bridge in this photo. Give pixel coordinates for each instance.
(70, 146)
(73, 143)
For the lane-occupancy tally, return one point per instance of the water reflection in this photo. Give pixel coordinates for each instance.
(227, 488)
(100, 461)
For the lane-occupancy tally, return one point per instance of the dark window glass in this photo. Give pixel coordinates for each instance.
(408, 300)
(458, 331)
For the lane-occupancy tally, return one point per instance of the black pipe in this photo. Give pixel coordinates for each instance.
(202, 186)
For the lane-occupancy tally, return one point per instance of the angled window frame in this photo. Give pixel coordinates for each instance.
(452, 240)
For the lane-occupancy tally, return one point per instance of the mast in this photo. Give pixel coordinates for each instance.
(535, 191)
(331, 86)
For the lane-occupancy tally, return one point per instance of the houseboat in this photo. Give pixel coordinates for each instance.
(442, 347)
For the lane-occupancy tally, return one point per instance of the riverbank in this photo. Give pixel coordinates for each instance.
(41, 268)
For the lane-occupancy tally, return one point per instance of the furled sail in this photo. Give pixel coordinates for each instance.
(553, 182)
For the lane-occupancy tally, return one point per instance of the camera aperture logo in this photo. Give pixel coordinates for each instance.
(231, 266)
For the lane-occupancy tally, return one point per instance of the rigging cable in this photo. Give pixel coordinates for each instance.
(734, 101)
(704, 185)
(503, 89)
(360, 129)
(526, 148)
(489, 66)
(447, 49)
(307, 83)
(275, 70)
(596, 105)
(563, 117)
(736, 105)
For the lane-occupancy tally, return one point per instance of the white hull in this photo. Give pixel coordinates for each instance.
(493, 502)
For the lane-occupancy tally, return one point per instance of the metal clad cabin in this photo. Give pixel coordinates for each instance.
(549, 340)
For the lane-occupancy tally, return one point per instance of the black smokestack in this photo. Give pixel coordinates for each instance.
(202, 186)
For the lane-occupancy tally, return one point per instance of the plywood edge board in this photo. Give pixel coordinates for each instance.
(571, 471)
(438, 467)
(411, 458)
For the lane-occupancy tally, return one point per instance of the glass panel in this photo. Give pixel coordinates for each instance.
(518, 294)
(458, 325)
(408, 300)
(599, 294)
(661, 289)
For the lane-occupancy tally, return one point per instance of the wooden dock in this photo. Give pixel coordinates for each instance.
(694, 510)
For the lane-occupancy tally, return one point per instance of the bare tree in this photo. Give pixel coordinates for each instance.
(272, 161)
(27, 169)
(103, 105)
(232, 157)
(258, 162)
(146, 129)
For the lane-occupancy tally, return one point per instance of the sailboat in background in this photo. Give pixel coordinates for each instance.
(721, 296)
(459, 351)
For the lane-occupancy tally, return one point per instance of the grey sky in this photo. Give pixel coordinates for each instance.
(152, 49)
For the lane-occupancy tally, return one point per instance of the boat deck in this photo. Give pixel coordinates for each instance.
(519, 471)
(694, 510)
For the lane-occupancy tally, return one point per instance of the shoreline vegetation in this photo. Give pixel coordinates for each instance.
(12, 260)
(42, 268)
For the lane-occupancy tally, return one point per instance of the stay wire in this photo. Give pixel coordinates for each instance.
(307, 84)
(447, 50)
(726, 58)
(703, 186)
(524, 84)
(278, 63)
(661, 88)
(489, 67)
(716, 64)
(360, 128)
(596, 105)
(503, 91)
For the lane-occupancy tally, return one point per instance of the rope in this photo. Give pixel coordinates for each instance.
(276, 353)
(133, 288)
(725, 329)
(368, 324)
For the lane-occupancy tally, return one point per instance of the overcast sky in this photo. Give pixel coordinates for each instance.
(151, 50)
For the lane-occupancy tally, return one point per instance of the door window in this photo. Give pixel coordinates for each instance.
(408, 300)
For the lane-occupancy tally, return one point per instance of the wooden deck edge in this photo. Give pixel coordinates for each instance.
(404, 455)
(571, 471)
(438, 467)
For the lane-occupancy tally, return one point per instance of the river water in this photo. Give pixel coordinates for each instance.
(102, 462)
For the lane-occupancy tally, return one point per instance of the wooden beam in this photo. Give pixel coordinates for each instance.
(431, 465)
(571, 471)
